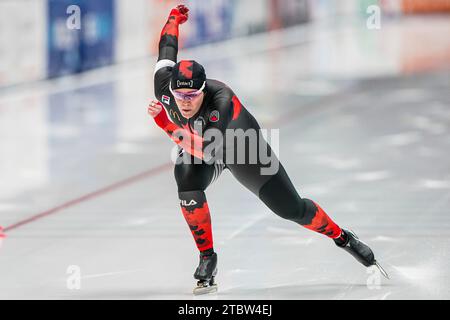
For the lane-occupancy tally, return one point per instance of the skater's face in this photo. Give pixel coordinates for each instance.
(190, 104)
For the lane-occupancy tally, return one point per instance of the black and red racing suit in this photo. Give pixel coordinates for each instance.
(222, 110)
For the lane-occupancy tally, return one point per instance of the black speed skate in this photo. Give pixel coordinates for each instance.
(205, 273)
(358, 249)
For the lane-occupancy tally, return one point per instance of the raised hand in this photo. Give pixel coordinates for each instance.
(181, 13)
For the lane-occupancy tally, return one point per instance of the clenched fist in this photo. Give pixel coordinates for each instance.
(154, 108)
(181, 13)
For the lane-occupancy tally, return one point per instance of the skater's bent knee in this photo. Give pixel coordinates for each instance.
(281, 197)
(192, 177)
(302, 212)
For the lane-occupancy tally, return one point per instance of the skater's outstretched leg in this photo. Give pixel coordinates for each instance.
(279, 194)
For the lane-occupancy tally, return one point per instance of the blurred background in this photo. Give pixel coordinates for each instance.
(358, 88)
(37, 43)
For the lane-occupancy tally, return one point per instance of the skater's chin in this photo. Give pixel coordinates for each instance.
(187, 113)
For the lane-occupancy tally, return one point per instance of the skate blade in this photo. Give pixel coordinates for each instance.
(383, 272)
(205, 290)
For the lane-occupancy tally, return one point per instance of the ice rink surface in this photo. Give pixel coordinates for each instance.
(87, 181)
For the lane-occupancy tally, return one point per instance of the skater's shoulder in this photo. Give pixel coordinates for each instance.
(217, 88)
(161, 81)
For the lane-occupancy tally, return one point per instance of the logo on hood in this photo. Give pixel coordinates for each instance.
(181, 83)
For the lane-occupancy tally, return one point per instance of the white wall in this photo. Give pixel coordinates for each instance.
(23, 41)
(132, 29)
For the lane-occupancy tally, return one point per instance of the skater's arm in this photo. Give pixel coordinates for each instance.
(168, 49)
(168, 42)
(187, 140)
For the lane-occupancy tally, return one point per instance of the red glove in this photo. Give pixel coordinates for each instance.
(161, 119)
(181, 13)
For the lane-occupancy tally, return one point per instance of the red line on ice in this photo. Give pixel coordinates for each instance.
(91, 195)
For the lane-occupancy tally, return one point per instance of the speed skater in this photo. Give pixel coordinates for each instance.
(187, 100)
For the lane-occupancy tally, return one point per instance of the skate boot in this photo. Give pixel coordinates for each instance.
(350, 242)
(205, 273)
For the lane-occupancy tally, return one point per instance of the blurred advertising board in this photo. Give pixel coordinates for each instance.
(332, 9)
(39, 38)
(425, 6)
(415, 6)
(224, 19)
(78, 46)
